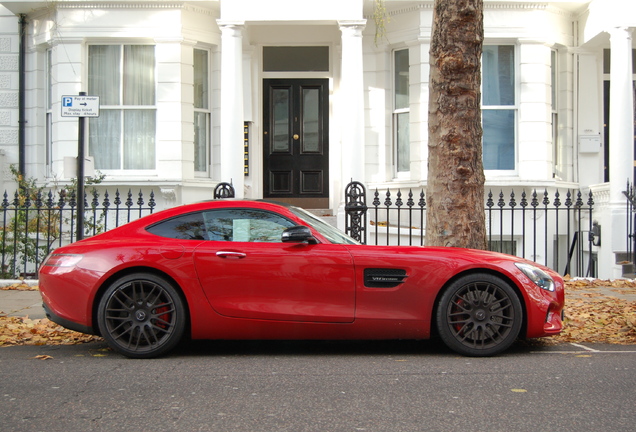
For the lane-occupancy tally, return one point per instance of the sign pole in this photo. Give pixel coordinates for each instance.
(80, 106)
(80, 175)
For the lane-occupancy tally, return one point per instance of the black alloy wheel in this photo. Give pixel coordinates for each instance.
(479, 315)
(141, 316)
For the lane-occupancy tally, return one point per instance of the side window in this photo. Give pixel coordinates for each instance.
(186, 227)
(245, 225)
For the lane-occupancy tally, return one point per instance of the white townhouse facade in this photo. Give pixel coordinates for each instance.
(291, 99)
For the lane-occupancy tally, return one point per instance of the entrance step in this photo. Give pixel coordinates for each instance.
(326, 215)
(622, 256)
(624, 259)
(321, 212)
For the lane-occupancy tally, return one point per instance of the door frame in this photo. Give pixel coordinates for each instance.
(307, 200)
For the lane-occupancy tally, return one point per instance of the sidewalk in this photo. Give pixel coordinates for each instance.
(21, 303)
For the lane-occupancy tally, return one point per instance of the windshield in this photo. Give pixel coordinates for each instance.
(334, 235)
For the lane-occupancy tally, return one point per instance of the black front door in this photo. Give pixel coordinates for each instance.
(296, 141)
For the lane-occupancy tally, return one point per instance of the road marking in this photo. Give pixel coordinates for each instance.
(584, 347)
(586, 350)
(583, 352)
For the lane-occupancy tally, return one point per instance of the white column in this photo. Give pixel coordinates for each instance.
(231, 127)
(351, 102)
(621, 127)
(621, 131)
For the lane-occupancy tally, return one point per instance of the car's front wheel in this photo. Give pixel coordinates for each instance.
(141, 316)
(479, 315)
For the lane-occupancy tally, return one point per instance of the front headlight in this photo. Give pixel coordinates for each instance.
(536, 275)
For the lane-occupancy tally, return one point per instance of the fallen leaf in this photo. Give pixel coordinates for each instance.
(19, 286)
(25, 331)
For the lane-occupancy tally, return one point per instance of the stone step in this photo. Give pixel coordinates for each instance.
(624, 260)
(321, 212)
(622, 257)
(326, 215)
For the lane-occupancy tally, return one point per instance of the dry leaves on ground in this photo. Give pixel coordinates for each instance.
(19, 286)
(25, 331)
(597, 311)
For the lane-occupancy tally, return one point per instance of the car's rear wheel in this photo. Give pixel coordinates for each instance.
(141, 316)
(479, 315)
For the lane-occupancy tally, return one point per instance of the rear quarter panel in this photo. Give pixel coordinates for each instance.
(73, 295)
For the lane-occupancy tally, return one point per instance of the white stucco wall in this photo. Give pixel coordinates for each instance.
(535, 29)
(8, 94)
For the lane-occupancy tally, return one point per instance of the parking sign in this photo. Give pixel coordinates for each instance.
(80, 106)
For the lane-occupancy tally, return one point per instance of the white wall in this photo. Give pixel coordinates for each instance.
(8, 95)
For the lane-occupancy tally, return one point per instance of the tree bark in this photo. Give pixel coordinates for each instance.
(455, 191)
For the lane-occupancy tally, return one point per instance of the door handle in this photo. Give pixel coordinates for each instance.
(296, 136)
(230, 254)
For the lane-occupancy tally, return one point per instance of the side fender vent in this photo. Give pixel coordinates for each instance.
(383, 277)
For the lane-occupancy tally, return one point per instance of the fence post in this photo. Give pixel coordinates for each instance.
(356, 211)
(630, 194)
(224, 190)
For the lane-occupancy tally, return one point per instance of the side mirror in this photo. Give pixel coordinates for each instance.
(298, 234)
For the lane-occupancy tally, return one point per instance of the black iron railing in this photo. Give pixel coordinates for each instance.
(541, 226)
(630, 194)
(36, 222)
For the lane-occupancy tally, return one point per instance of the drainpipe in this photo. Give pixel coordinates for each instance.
(22, 96)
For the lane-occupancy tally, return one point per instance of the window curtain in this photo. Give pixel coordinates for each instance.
(104, 139)
(104, 65)
(139, 75)
(139, 89)
(402, 142)
(139, 139)
(200, 140)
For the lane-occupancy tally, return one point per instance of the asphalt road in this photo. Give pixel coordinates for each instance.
(318, 386)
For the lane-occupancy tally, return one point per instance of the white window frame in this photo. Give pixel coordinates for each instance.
(398, 112)
(121, 171)
(554, 113)
(513, 107)
(206, 112)
(48, 127)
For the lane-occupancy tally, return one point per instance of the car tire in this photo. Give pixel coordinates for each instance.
(141, 315)
(479, 315)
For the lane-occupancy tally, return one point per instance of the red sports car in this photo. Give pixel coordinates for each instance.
(258, 270)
